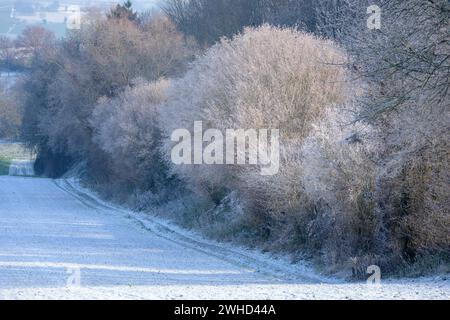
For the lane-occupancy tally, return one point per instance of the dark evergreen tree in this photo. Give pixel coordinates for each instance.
(123, 11)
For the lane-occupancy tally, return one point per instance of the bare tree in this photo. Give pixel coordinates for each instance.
(405, 65)
(7, 53)
(407, 59)
(10, 114)
(209, 20)
(101, 59)
(35, 38)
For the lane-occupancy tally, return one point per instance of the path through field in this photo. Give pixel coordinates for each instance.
(58, 243)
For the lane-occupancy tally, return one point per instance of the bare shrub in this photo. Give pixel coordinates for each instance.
(264, 78)
(101, 59)
(339, 171)
(405, 65)
(10, 113)
(127, 130)
(209, 20)
(413, 182)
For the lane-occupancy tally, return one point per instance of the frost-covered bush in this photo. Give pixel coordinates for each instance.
(266, 77)
(10, 113)
(406, 70)
(66, 80)
(127, 129)
(413, 183)
(339, 172)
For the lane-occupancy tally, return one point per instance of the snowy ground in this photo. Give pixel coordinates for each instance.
(8, 79)
(21, 168)
(57, 241)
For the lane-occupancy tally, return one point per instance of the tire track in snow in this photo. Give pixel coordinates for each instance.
(278, 271)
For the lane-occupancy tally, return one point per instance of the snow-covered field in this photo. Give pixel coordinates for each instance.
(8, 79)
(58, 241)
(21, 168)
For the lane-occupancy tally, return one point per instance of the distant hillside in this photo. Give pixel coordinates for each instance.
(15, 15)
